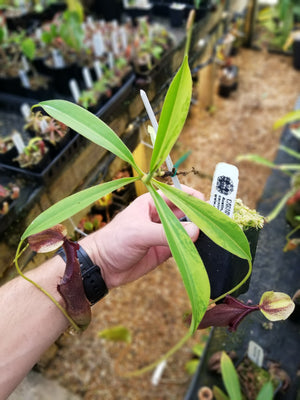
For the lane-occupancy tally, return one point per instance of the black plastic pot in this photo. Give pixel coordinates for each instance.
(11, 85)
(228, 85)
(296, 54)
(62, 76)
(224, 269)
(108, 9)
(136, 12)
(177, 16)
(8, 156)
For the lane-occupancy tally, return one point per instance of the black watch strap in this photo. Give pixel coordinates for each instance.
(94, 286)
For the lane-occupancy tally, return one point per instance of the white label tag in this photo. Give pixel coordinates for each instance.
(98, 70)
(87, 77)
(73, 85)
(25, 110)
(114, 42)
(224, 188)
(24, 79)
(255, 353)
(58, 59)
(98, 44)
(18, 141)
(111, 60)
(43, 125)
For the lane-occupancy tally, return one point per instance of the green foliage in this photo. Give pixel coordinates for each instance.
(191, 366)
(116, 334)
(214, 223)
(231, 382)
(173, 115)
(28, 48)
(292, 116)
(69, 30)
(230, 378)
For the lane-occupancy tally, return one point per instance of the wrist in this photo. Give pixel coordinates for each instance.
(92, 245)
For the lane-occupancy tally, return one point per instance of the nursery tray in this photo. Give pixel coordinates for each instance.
(54, 167)
(274, 270)
(29, 190)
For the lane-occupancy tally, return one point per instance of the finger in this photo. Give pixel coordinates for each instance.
(153, 234)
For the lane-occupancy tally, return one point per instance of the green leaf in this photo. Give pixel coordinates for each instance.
(219, 394)
(276, 210)
(173, 115)
(69, 206)
(230, 378)
(289, 151)
(28, 48)
(198, 349)
(292, 116)
(217, 226)
(191, 366)
(88, 125)
(266, 392)
(186, 256)
(117, 334)
(256, 159)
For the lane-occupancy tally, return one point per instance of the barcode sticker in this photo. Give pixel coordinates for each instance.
(224, 188)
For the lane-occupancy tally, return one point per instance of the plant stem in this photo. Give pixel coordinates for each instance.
(172, 351)
(189, 30)
(18, 254)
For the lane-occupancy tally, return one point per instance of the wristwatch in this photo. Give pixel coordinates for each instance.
(94, 286)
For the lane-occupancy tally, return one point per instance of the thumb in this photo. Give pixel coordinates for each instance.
(192, 230)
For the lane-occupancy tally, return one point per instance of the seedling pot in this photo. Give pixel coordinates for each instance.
(8, 156)
(224, 269)
(296, 53)
(177, 15)
(228, 81)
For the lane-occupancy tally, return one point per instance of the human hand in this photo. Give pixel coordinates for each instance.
(134, 242)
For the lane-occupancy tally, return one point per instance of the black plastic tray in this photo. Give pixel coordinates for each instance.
(53, 167)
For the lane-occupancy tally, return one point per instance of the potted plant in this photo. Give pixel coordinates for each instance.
(35, 156)
(8, 150)
(247, 378)
(8, 193)
(64, 39)
(54, 133)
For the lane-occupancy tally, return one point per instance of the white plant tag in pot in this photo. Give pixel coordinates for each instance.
(255, 353)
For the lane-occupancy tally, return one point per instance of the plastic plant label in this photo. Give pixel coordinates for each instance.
(98, 70)
(25, 64)
(111, 61)
(87, 78)
(114, 42)
(58, 59)
(25, 110)
(224, 188)
(24, 79)
(73, 85)
(124, 39)
(98, 44)
(18, 141)
(255, 353)
(44, 125)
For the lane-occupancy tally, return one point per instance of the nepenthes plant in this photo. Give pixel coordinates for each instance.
(217, 226)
